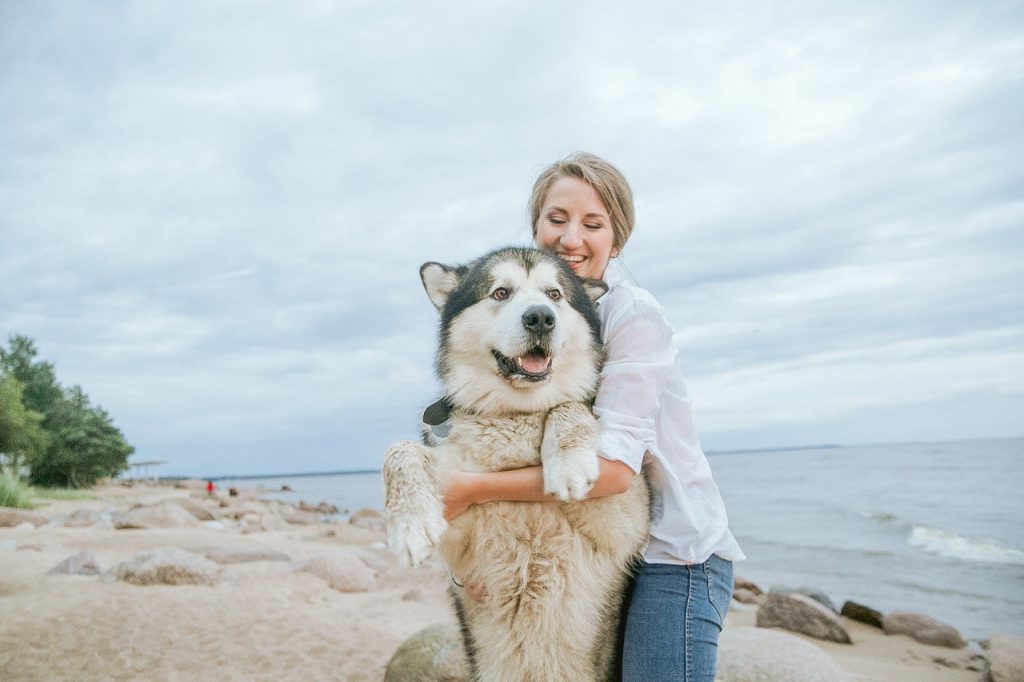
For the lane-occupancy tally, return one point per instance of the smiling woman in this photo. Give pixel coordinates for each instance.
(582, 210)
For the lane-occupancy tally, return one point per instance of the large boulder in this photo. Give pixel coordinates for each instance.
(755, 655)
(163, 515)
(434, 654)
(861, 613)
(343, 571)
(168, 566)
(238, 555)
(12, 517)
(83, 518)
(83, 563)
(1006, 658)
(924, 629)
(799, 613)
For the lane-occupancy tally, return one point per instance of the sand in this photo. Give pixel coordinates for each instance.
(265, 620)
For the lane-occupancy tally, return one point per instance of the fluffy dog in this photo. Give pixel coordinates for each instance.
(520, 358)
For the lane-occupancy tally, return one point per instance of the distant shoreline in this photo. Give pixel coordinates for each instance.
(747, 451)
(246, 477)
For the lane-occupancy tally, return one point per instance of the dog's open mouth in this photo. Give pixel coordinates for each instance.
(534, 366)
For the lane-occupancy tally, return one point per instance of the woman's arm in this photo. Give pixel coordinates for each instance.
(464, 488)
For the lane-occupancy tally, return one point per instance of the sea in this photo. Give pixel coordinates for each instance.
(936, 528)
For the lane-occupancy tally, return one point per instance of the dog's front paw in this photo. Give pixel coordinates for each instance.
(570, 475)
(413, 537)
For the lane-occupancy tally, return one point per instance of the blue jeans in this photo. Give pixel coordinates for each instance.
(673, 619)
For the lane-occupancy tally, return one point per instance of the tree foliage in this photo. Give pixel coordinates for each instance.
(22, 437)
(80, 444)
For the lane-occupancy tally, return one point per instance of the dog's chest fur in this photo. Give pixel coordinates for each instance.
(493, 443)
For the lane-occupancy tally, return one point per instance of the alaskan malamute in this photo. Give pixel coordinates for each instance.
(520, 359)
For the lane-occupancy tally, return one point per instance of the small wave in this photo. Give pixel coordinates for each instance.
(944, 543)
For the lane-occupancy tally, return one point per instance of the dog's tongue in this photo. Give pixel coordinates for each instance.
(534, 364)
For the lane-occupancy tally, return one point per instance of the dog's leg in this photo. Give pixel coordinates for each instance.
(412, 500)
(568, 451)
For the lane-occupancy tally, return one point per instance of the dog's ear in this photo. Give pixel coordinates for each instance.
(439, 281)
(595, 288)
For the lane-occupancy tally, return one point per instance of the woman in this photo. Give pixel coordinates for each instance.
(582, 209)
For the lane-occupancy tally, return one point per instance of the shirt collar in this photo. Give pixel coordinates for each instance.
(612, 277)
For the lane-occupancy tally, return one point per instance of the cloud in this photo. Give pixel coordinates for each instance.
(215, 214)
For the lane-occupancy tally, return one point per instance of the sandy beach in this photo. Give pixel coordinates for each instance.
(269, 619)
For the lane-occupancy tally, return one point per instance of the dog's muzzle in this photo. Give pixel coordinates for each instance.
(533, 366)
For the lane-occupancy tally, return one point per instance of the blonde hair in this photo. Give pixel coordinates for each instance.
(607, 181)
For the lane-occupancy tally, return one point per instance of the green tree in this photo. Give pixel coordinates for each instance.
(38, 379)
(21, 434)
(82, 444)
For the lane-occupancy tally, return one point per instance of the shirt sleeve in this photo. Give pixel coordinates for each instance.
(641, 360)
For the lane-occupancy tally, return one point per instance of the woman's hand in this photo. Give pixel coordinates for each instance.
(457, 494)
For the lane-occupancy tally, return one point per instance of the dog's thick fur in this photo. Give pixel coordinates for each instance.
(520, 358)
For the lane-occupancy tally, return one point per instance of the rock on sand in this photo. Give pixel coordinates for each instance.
(799, 613)
(83, 518)
(434, 654)
(168, 566)
(343, 571)
(923, 628)
(753, 655)
(164, 515)
(10, 517)
(861, 613)
(83, 563)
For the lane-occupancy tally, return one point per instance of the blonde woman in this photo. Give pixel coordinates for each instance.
(582, 209)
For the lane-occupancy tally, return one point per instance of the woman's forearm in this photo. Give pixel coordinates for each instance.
(524, 485)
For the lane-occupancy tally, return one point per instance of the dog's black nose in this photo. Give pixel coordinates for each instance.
(539, 319)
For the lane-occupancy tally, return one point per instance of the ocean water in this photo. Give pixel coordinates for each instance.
(928, 527)
(936, 528)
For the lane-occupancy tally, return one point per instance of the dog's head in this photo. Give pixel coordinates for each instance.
(519, 331)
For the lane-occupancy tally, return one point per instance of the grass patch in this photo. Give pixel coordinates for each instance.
(61, 494)
(14, 493)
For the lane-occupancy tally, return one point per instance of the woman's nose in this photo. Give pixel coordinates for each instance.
(571, 236)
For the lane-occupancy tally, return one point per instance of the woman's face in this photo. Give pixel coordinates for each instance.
(574, 223)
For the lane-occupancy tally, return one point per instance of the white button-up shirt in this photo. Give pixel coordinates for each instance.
(647, 422)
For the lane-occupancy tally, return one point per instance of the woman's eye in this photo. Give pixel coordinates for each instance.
(500, 294)
(555, 220)
(594, 226)
(555, 295)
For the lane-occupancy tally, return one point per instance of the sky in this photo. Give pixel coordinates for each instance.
(212, 214)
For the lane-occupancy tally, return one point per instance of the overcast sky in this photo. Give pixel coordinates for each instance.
(212, 214)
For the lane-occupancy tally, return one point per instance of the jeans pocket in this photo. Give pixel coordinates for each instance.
(718, 572)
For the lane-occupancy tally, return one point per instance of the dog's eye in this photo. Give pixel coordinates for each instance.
(555, 294)
(500, 294)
